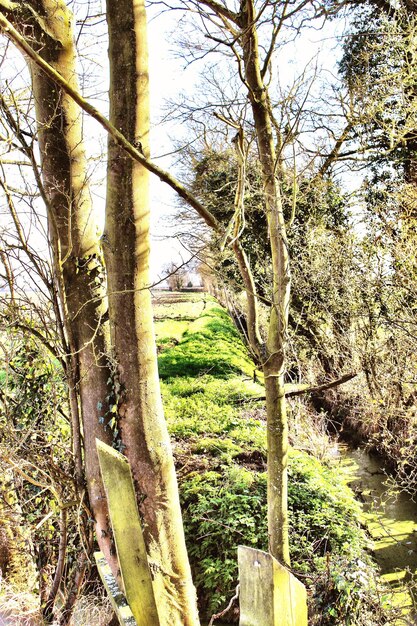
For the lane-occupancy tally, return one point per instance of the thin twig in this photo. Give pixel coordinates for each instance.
(226, 610)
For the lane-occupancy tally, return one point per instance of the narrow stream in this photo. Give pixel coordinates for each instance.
(391, 518)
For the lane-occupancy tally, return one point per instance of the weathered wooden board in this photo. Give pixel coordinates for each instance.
(128, 537)
(270, 595)
(116, 597)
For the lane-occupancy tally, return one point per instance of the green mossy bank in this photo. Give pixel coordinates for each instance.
(220, 450)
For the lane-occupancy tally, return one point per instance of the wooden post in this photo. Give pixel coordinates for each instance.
(269, 594)
(116, 597)
(128, 537)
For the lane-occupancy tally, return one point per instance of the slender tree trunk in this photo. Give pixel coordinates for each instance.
(274, 357)
(73, 234)
(144, 435)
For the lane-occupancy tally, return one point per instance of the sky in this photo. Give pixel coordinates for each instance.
(168, 77)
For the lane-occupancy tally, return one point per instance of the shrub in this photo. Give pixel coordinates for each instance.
(224, 509)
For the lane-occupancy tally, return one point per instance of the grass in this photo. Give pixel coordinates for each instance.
(220, 450)
(208, 344)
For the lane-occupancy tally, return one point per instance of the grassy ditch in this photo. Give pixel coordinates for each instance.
(220, 450)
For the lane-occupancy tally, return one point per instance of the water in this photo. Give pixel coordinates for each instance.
(390, 515)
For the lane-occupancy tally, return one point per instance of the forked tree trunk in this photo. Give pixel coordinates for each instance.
(273, 358)
(144, 435)
(73, 235)
(271, 355)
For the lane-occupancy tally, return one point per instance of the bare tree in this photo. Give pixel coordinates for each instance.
(115, 391)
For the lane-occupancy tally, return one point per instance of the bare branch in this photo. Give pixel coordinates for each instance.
(219, 9)
(164, 176)
(297, 390)
(335, 152)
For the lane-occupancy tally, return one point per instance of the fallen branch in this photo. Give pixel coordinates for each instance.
(297, 390)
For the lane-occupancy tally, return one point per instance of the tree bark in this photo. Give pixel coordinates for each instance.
(74, 235)
(273, 359)
(144, 435)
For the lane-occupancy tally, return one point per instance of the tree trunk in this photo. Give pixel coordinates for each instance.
(73, 235)
(274, 357)
(144, 436)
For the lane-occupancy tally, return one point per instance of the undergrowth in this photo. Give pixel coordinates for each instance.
(220, 447)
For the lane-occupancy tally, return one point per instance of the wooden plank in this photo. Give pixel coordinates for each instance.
(270, 595)
(128, 537)
(290, 596)
(116, 597)
(256, 595)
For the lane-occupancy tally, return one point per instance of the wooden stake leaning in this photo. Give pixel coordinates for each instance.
(128, 537)
(269, 594)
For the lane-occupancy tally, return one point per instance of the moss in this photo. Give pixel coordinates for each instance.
(227, 508)
(205, 376)
(217, 447)
(170, 330)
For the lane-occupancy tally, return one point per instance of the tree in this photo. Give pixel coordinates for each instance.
(76, 251)
(379, 69)
(118, 395)
(141, 421)
(242, 27)
(177, 277)
(236, 30)
(381, 79)
(320, 227)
